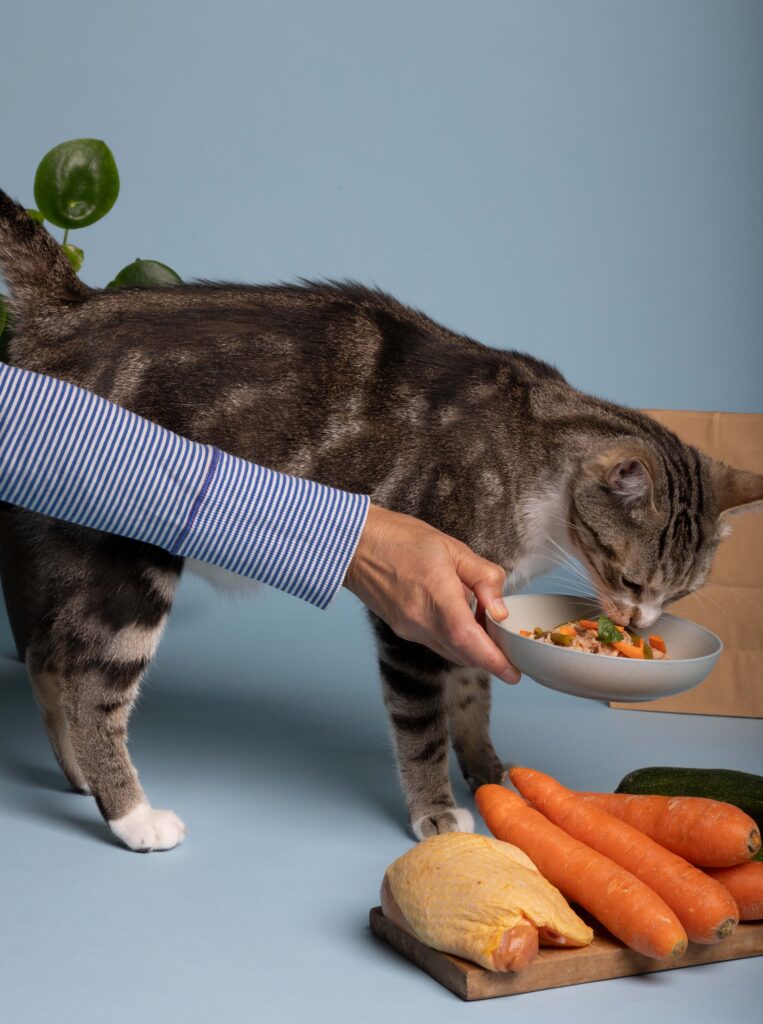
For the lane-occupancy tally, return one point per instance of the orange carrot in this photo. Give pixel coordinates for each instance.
(566, 631)
(658, 643)
(705, 832)
(629, 909)
(629, 650)
(525, 632)
(589, 624)
(701, 904)
(745, 883)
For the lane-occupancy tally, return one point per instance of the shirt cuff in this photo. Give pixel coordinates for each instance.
(293, 534)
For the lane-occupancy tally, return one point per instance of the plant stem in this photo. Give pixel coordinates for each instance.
(66, 236)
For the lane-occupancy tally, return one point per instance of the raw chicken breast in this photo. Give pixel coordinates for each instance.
(478, 898)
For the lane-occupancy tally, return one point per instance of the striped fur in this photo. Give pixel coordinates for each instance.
(348, 387)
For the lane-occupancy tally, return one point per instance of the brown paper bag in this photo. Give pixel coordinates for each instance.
(733, 606)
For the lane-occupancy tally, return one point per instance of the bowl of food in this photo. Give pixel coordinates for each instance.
(567, 644)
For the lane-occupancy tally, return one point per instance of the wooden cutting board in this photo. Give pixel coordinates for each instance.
(555, 968)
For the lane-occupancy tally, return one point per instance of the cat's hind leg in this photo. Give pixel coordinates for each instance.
(105, 621)
(47, 683)
(469, 714)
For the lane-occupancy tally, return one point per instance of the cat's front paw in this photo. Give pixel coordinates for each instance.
(454, 819)
(144, 829)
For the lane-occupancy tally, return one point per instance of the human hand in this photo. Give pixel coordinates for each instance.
(419, 581)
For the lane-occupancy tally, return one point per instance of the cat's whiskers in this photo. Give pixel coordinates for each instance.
(702, 597)
(554, 559)
(566, 554)
(571, 563)
(568, 581)
(745, 597)
(574, 579)
(566, 587)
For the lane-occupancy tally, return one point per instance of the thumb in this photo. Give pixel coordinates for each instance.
(485, 579)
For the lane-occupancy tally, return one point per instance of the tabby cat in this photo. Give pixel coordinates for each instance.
(349, 387)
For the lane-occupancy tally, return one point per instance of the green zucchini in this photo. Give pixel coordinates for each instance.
(743, 789)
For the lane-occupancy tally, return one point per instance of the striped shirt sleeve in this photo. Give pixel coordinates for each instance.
(67, 453)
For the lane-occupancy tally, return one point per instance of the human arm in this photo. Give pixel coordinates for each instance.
(69, 454)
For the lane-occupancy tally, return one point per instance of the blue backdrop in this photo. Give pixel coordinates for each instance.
(578, 179)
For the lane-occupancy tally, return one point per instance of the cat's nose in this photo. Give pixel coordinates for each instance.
(646, 615)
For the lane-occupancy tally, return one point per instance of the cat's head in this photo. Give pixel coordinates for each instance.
(647, 522)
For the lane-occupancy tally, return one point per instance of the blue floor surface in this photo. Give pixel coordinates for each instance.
(262, 725)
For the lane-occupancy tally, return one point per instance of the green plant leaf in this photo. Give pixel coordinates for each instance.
(145, 274)
(608, 631)
(36, 215)
(76, 183)
(74, 255)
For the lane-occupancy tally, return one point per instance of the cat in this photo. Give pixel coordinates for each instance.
(347, 386)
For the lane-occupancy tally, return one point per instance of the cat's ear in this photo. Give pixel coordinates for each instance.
(626, 474)
(630, 480)
(736, 490)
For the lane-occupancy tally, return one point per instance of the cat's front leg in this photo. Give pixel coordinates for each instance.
(415, 694)
(469, 719)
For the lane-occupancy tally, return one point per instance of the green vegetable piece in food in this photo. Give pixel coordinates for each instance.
(648, 652)
(538, 632)
(76, 183)
(608, 631)
(74, 255)
(561, 639)
(36, 215)
(145, 274)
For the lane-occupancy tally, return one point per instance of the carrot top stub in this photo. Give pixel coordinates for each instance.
(631, 910)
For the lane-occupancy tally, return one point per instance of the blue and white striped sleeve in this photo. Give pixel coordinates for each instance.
(67, 453)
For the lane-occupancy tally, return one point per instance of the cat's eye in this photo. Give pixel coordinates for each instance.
(630, 584)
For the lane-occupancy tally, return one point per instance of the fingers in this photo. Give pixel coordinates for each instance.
(485, 579)
(469, 643)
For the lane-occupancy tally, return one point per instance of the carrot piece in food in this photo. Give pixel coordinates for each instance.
(625, 905)
(525, 632)
(745, 884)
(628, 650)
(708, 833)
(589, 624)
(566, 631)
(702, 905)
(657, 643)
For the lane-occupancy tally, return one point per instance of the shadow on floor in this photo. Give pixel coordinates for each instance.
(250, 736)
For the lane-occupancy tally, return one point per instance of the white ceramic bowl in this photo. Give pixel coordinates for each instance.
(692, 652)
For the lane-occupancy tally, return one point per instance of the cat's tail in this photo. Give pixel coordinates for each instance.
(36, 269)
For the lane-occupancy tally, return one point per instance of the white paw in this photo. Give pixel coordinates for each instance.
(464, 819)
(145, 828)
(454, 819)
